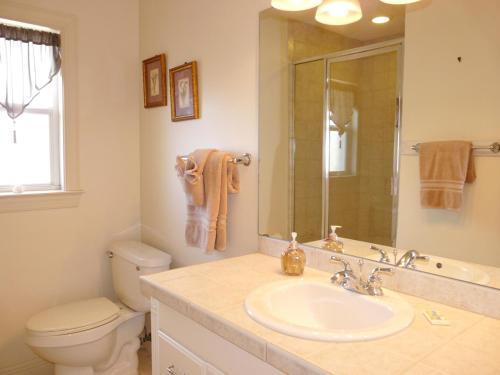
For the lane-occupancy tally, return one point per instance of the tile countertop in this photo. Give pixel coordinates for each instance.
(213, 294)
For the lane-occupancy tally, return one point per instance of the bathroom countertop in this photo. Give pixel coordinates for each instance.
(213, 294)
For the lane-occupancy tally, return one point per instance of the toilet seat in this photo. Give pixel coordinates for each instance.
(81, 336)
(73, 317)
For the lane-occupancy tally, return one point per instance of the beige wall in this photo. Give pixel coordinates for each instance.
(445, 99)
(224, 38)
(55, 256)
(274, 127)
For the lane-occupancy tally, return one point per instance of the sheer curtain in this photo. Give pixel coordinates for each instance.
(29, 60)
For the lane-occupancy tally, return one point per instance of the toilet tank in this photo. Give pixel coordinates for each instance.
(129, 260)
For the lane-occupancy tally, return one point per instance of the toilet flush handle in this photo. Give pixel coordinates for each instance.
(111, 255)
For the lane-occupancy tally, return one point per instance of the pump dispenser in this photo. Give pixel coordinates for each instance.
(333, 243)
(293, 260)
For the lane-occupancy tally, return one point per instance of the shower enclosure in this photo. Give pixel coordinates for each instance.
(345, 143)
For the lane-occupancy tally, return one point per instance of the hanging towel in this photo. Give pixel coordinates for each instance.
(190, 173)
(444, 169)
(206, 222)
(230, 183)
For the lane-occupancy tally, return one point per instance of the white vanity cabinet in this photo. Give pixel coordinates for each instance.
(184, 347)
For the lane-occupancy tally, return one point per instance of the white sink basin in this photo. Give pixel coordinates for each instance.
(450, 268)
(319, 310)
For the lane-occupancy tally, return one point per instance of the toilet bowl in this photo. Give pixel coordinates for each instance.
(97, 336)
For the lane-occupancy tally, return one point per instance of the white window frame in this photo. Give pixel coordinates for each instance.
(55, 131)
(68, 193)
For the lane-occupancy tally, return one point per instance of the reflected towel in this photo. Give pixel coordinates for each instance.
(206, 222)
(444, 168)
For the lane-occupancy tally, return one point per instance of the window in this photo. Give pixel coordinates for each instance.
(30, 138)
(30, 147)
(44, 157)
(343, 147)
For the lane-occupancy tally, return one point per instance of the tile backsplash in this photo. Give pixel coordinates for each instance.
(472, 297)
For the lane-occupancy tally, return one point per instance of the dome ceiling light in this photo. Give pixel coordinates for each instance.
(338, 12)
(335, 12)
(399, 2)
(295, 5)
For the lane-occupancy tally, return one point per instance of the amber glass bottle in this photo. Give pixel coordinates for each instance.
(293, 259)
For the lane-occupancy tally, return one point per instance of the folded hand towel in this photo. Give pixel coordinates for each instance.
(206, 223)
(444, 168)
(190, 173)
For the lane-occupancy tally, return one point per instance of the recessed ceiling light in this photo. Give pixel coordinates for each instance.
(381, 19)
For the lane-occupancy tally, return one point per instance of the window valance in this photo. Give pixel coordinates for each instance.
(29, 60)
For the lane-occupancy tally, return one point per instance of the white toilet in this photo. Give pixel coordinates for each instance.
(97, 336)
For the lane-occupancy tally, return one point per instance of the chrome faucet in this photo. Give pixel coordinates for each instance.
(384, 257)
(349, 281)
(408, 259)
(344, 277)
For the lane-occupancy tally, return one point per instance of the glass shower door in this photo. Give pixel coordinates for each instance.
(362, 133)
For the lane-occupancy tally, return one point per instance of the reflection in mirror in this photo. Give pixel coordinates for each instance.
(335, 140)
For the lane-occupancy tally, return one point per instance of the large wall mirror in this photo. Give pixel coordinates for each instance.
(340, 110)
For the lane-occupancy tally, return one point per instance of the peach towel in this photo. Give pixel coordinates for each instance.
(207, 216)
(444, 169)
(190, 173)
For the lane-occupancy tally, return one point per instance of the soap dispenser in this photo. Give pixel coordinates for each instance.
(333, 243)
(293, 259)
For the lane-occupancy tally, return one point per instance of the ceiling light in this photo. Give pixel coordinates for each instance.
(399, 2)
(294, 5)
(338, 12)
(380, 19)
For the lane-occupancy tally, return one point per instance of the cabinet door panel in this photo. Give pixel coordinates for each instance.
(176, 360)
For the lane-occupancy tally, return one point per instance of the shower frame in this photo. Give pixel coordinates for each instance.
(393, 45)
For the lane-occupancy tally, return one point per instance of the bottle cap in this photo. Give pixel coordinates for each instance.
(333, 229)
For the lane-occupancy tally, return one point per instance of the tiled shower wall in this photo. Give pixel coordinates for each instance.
(308, 41)
(363, 203)
(376, 147)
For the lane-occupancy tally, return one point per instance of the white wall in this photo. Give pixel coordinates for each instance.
(445, 99)
(55, 256)
(223, 37)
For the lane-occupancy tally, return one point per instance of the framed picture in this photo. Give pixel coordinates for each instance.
(184, 92)
(154, 76)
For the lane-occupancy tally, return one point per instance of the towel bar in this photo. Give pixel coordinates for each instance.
(494, 147)
(244, 159)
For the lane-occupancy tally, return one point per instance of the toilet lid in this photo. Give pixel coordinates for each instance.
(74, 317)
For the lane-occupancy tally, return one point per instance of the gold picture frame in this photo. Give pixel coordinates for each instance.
(154, 76)
(184, 92)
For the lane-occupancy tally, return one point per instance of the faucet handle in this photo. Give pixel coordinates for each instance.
(375, 273)
(425, 258)
(383, 254)
(347, 266)
(374, 284)
(361, 263)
